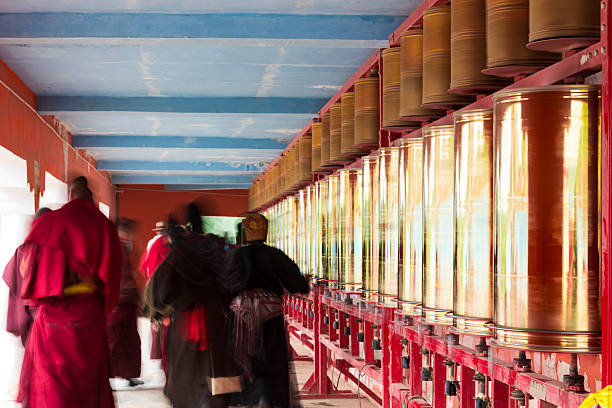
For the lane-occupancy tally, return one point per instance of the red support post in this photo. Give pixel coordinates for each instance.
(467, 391)
(416, 386)
(439, 379)
(606, 190)
(368, 336)
(333, 335)
(344, 338)
(500, 395)
(354, 335)
(385, 340)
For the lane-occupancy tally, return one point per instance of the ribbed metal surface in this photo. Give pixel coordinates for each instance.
(438, 171)
(367, 121)
(410, 285)
(560, 25)
(474, 222)
(391, 89)
(305, 159)
(325, 140)
(335, 132)
(437, 60)
(317, 131)
(347, 140)
(411, 78)
(547, 242)
(332, 232)
(321, 229)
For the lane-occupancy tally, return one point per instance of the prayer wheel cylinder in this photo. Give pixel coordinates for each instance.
(325, 141)
(305, 159)
(411, 78)
(410, 282)
(347, 139)
(371, 196)
(301, 232)
(468, 49)
(367, 120)
(561, 25)
(332, 235)
(391, 90)
(437, 60)
(438, 236)
(335, 133)
(321, 231)
(507, 36)
(546, 149)
(312, 218)
(317, 130)
(350, 230)
(474, 222)
(388, 225)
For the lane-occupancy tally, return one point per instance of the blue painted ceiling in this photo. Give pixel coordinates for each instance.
(192, 94)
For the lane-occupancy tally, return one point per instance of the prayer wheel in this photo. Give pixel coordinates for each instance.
(437, 60)
(388, 225)
(311, 211)
(305, 159)
(371, 196)
(547, 169)
(411, 78)
(347, 139)
(332, 235)
(367, 120)
(391, 90)
(561, 25)
(317, 130)
(325, 141)
(410, 281)
(349, 214)
(468, 49)
(321, 231)
(474, 228)
(438, 237)
(301, 232)
(335, 133)
(507, 36)
(294, 168)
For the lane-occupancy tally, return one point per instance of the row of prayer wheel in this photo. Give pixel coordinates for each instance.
(489, 225)
(470, 46)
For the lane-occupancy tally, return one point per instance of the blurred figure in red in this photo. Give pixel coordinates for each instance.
(122, 326)
(152, 257)
(71, 267)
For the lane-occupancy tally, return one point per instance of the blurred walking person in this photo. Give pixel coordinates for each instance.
(185, 289)
(122, 325)
(71, 268)
(257, 275)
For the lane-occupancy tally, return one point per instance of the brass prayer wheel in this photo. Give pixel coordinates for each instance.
(562, 25)
(437, 60)
(317, 131)
(311, 211)
(332, 234)
(347, 139)
(438, 237)
(547, 163)
(474, 222)
(325, 140)
(391, 90)
(411, 78)
(410, 281)
(507, 36)
(468, 49)
(371, 196)
(349, 215)
(388, 225)
(302, 260)
(367, 121)
(321, 231)
(305, 159)
(335, 133)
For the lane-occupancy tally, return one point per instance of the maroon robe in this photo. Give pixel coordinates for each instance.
(19, 317)
(67, 364)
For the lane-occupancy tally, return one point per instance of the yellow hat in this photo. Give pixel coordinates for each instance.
(254, 227)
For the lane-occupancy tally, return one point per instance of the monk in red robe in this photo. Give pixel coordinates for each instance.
(71, 269)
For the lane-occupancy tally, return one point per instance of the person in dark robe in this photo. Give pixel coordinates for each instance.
(19, 316)
(258, 275)
(184, 288)
(154, 254)
(122, 325)
(71, 267)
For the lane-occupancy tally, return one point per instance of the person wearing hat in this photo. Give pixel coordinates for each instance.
(155, 253)
(258, 275)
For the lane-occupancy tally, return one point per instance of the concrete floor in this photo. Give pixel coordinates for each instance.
(150, 394)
